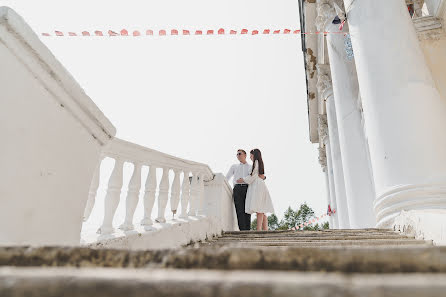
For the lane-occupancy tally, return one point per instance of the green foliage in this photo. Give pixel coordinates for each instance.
(273, 223)
(292, 218)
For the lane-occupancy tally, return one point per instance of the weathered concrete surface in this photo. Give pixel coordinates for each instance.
(18, 282)
(341, 259)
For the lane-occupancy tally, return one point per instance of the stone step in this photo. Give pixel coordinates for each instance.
(315, 238)
(327, 231)
(321, 243)
(69, 282)
(334, 259)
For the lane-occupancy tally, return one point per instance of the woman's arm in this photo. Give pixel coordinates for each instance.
(250, 178)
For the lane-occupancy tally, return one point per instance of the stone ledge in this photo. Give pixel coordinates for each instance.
(51, 282)
(172, 234)
(429, 224)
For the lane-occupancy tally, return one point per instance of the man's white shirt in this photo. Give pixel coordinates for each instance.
(238, 171)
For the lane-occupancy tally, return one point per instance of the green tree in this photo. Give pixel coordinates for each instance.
(292, 218)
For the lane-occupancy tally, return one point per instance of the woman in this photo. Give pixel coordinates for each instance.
(258, 199)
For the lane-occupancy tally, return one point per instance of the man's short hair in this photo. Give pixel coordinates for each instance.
(240, 150)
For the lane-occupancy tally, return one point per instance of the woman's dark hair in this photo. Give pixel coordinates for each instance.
(257, 157)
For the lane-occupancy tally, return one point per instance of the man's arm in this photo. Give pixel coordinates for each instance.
(230, 173)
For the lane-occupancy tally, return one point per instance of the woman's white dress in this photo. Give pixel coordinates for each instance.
(257, 197)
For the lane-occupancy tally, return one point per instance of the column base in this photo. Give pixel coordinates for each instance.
(409, 197)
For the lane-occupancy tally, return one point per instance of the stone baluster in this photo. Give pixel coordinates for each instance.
(112, 197)
(175, 192)
(132, 198)
(163, 196)
(193, 195)
(149, 197)
(200, 194)
(185, 194)
(93, 191)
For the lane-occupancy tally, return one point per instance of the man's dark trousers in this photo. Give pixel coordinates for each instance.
(244, 219)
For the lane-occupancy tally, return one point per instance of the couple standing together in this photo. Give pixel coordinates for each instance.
(250, 192)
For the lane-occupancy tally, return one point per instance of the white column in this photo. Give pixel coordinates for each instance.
(185, 194)
(149, 196)
(358, 180)
(112, 197)
(163, 196)
(325, 91)
(404, 113)
(175, 192)
(331, 184)
(93, 191)
(132, 198)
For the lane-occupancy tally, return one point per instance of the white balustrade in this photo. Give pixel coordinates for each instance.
(112, 197)
(132, 198)
(200, 194)
(175, 192)
(92, 192)
(163, 196)
(149, 197)
(191, 192)
(185, 194)
(193, 195)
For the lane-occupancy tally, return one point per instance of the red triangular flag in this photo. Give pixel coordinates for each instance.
(149, 32)
(124, 32)
(276, 32)
(266, 31)
(112, 33)
(186, 32)
(233, 32)
(210, 32)
(286, 31)
(341, 26)
(136, 33)
(46, 34)
(245, 31)
(174, 32)
(221, 31)
(162, 32)
(198, 32)
(85, 33)
(98, 33)
(255, 32)
(58, 33)
(72, 34)
(296, 32)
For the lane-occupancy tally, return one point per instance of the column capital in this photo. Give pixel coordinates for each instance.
(323, 157)
(325, 14)
(323, 127)
(324, 84)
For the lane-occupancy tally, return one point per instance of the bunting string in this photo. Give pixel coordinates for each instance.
(184, 32)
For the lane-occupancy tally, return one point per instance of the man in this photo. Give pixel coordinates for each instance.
(238, 171)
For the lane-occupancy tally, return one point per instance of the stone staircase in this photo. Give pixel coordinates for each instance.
(369, 262)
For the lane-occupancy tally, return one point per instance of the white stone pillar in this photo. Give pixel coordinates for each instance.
(149, 196)
(404, 113)
(331, 185)
(358, 180)
(325, 92)
(323, 162)
(163, 196)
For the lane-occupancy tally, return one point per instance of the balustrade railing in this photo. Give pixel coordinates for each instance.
(190, 190)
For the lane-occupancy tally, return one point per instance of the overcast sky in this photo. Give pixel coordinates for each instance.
(195, 97)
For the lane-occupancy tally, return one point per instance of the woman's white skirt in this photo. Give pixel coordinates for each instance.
(258, 198)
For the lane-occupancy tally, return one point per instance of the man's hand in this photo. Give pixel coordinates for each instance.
(240, 181)
(262, 176)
